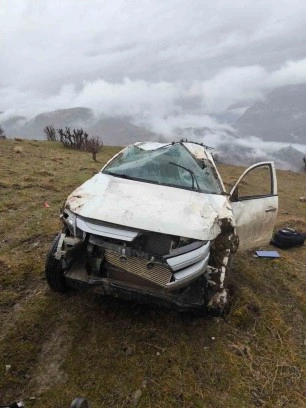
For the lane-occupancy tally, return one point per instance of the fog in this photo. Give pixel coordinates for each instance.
(220, 93)
(166, 65)
(122, 56)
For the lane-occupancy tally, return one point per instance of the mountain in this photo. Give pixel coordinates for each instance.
(12, 125)
(280, 117)
(117, 131)
(286, 158)
(111, 129)
(73, 117)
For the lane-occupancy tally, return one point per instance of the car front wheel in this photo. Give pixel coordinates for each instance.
(54, 271)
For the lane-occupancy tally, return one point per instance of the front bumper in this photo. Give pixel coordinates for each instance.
(118, 265)
(192, 298)
(189, 266)
(177, 270)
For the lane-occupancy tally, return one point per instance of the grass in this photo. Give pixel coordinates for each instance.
(121, 354)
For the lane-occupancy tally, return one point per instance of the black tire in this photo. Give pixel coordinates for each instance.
(80, 403)
(54, 271)
(285, 240)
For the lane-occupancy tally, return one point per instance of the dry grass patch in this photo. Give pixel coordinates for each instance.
(113, 351)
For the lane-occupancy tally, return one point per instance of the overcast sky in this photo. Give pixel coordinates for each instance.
(147, 57)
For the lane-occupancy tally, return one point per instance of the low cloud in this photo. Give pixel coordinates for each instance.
(141, 99)
(147, 58)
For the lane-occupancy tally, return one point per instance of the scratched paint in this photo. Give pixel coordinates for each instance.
(150, 207)
(174, 211)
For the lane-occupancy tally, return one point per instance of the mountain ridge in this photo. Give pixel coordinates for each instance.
(280, 117)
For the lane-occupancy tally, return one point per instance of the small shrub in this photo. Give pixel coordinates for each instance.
(50, 132)
(94, 145)
(76, 139)
(2, 134)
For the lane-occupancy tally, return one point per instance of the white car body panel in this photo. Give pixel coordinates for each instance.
(175, 211)
(150, 207)
(254, 225)
(255, 217)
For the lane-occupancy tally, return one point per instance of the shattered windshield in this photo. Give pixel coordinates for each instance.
(171, 165)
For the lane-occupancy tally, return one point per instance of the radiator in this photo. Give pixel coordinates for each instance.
(158, 274)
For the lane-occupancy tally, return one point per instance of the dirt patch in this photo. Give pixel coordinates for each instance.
(49, 370)
(10, 315)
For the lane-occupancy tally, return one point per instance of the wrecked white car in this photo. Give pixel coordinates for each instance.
(156, 225)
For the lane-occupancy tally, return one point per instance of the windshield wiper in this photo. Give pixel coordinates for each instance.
(121, 175)
(193, 177)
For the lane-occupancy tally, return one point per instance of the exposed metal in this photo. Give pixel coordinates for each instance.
(153, 272)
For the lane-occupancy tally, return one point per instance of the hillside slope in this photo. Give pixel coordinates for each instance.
(121, 354)
(281, 117)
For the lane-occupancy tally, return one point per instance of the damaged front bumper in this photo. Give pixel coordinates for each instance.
(169, 273)
(130, 263)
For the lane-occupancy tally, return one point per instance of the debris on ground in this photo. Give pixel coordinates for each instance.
(286, 238)
(267, 254)
(136, 397)
(80, 403)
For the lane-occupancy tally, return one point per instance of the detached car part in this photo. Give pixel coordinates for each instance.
(157, 225)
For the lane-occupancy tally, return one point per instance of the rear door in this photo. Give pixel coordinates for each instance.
(254, 202)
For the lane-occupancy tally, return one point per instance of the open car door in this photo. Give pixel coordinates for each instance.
(254, 202)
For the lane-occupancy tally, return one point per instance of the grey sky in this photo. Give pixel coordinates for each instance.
(147, 58)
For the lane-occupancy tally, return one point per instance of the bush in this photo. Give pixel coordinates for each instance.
(94, 145)
(50, 133)
(77, 139)
(2, 134)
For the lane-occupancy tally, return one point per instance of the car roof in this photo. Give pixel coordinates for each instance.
(196, 149)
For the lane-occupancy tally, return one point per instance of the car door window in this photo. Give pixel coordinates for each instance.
(256, 183)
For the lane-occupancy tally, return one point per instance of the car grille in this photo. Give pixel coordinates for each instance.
(158, 274)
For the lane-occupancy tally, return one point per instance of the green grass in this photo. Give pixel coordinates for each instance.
(60, 347)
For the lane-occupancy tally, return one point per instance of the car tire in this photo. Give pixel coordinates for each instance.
(80, 403)
(54, 271)
(287, 239)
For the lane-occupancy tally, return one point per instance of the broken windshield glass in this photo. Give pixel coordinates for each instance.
(171, 165)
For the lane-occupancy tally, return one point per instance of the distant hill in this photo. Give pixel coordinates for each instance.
(280, 117)
(112, 130)
(287, 158)
(117, 131)
(74, 118)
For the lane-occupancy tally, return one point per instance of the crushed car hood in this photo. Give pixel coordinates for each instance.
(150, 207)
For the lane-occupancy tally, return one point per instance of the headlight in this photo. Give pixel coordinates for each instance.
(69, 219)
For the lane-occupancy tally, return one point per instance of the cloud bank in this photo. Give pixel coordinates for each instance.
(144, 99)
(167, 65)
(163, 56)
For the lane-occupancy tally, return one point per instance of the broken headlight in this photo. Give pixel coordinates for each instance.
(69, 219)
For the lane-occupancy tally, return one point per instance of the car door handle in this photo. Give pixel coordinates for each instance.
(270, 209)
